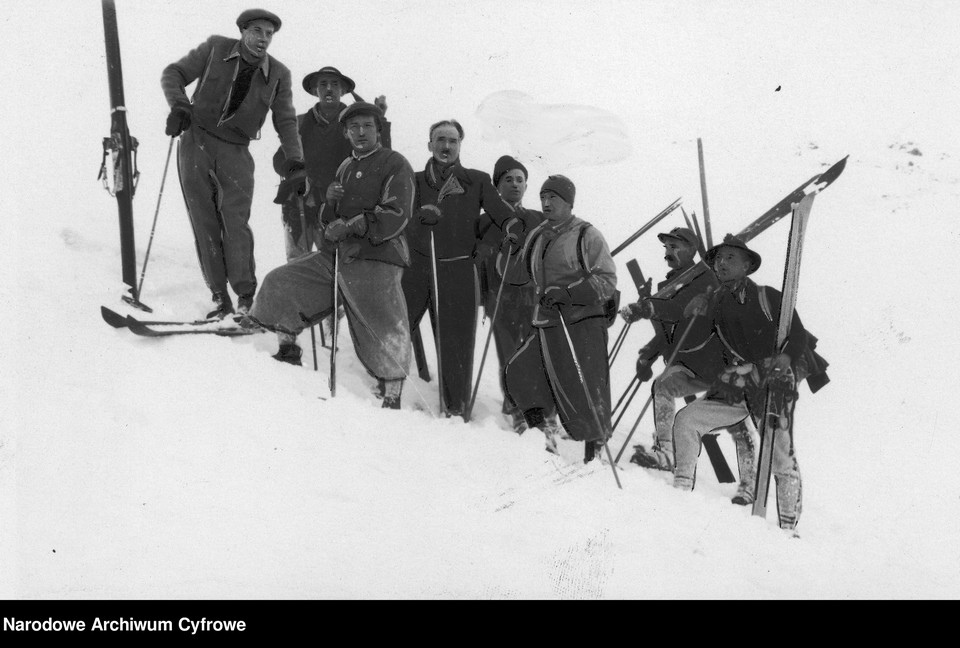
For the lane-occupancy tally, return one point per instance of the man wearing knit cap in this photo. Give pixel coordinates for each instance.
(501, 264)
(237, 83)
(745, 318)
(325, 146)
(695, 365)
(365, 209)
(448, 203)
(569, 264)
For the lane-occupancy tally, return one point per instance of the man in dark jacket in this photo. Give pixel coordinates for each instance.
(325, 146)
(369, 205)
(696, 364)
(448, 201)
(501, 265)
(563, 363)
(745, 317)
(237, 83)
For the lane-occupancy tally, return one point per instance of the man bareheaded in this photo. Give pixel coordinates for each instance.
(445, 139)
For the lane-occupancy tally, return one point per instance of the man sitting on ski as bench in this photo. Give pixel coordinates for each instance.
(745, 318)
(365, 212)
(694, 365)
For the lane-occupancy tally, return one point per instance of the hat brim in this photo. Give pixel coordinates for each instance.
(755, 258)
(663, 238)
(311, 79)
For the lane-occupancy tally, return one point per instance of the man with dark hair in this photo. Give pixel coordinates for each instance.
(745, 317)
(696, 363)
(325, 146)
(366, 209)
(237, 83)
(563, 363)
(498, 265)
(448, 201)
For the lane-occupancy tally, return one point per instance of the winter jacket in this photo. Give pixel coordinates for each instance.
(378, 185)
(460, 197)
(491, 260)
(214, 65)
(551, 258)
(324, 149)
(701, 352)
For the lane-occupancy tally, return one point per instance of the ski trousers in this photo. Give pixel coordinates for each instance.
(216, 178)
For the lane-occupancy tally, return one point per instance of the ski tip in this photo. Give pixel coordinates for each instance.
(114, 319)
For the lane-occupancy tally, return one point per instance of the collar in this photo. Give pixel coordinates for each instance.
(562, 227)
(354, 155)
(264, 64)
(318, 116)
(432, 172)
(739, 289)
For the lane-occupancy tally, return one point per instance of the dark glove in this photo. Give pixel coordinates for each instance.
(294, 182)
(429, 214)
(341, 229)
(513, 231)
(644, 370)
(179, 119)
(635, 312)
(727, 392)
(699, 305)
(555, 297)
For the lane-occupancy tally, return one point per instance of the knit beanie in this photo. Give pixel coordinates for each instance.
(504, 164)
(560, 185)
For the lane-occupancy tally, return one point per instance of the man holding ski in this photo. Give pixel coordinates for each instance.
(563, 362)
(444, 234)
(367, 208)
(695, 364)
(745, 318)
(237, 83)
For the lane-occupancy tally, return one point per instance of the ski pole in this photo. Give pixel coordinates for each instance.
(627, 406)
(653, 221)
(163, 181)
(625, 391)
(618, 344)
(313, 344)
(333, 333)
(586, 393)
(436, 309)
(486, 345)
(673, 356)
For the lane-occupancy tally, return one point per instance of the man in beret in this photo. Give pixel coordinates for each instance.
(501, 264)
(237, 83)
(449, 199)
(745, 317)
(569, 264)
(695, 365)
(325, 146)
(366, 208)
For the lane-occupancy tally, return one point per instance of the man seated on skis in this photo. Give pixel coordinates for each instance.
(745, 317)
(694, 364)
(365, 212)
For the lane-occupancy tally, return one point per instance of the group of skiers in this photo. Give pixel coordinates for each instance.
(393, 244)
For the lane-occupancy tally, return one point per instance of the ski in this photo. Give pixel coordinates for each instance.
(773, 422)
(121, 183)
(116, 320)
(815, 184)
(137, 327)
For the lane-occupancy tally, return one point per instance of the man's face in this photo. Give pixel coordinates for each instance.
(555, 208)
(328, 91)
(731, 264)
(677, 253)
(445, 144)
(256, 37)
(512, 186)
(361, 131)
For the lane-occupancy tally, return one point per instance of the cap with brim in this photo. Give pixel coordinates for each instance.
(732, 241)
(683, 234)
(250, 15)
(361, 108)
(311, 79)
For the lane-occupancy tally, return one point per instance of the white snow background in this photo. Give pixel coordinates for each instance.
(198, 467)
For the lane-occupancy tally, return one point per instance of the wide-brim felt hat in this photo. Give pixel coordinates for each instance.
(310, 80)
(732, 241)
(250, 15)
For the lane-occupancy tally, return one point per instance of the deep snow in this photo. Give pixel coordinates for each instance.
(201, 468)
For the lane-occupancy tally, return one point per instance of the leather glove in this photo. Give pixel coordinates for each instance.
(294, 182)
(341, 229)
(555, 297)
(429, 214)
(635, 312)
(513, 231)
(644, 369)
(179, 119)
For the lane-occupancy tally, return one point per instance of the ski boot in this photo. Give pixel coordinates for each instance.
(223, 304)
(289, 353)
(659, 457)
(391, 393)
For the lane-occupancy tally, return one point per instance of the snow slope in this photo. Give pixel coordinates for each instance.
(201, 468)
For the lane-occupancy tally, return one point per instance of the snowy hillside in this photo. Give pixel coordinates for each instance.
(201, 468)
